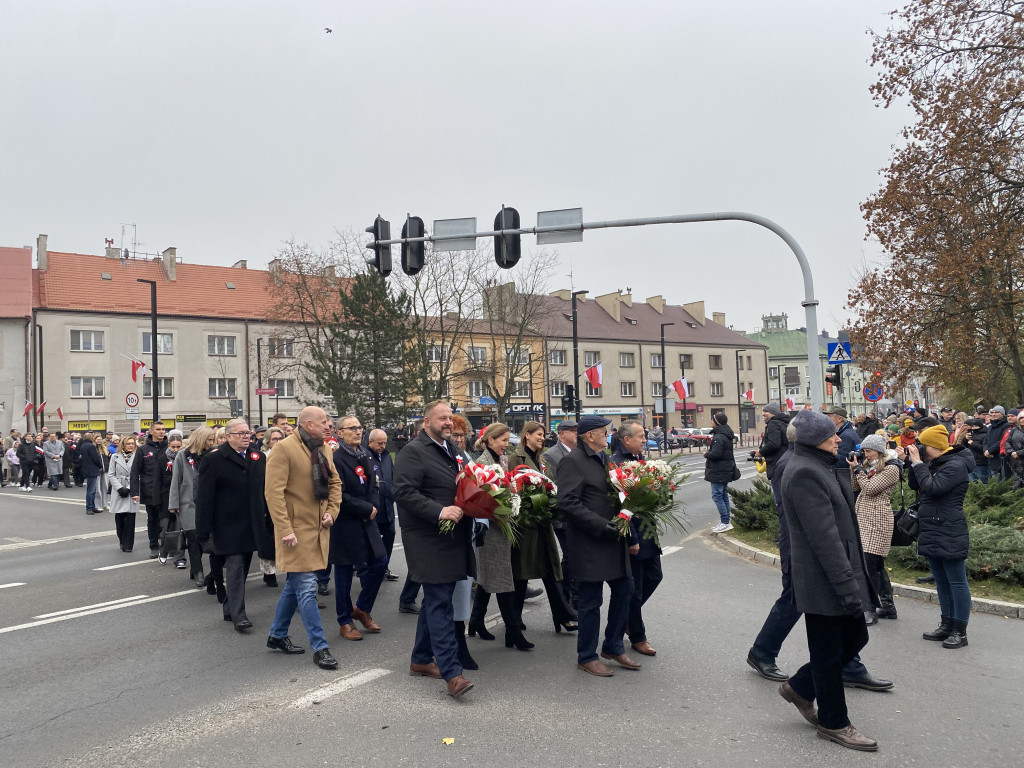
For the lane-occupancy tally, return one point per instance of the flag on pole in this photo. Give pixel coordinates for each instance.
(39, 410)
(138, 367)
(749, 395)
(593, 374)
(682, 388)
(60, 413)
(28, 407)
(790, 405)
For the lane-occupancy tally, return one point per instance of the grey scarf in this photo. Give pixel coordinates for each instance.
(321, 469)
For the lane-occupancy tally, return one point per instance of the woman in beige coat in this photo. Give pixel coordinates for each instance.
(875, 479)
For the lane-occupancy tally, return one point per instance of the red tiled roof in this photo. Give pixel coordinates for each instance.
(16, 282)
(75, 282)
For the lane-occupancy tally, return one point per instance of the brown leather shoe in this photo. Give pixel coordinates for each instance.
(366, 620)
(458, 685)
(645, 648)
(595, 667)
(848, 737)
(349, 632)
(425, 670)
(623, 660)
(807, 708)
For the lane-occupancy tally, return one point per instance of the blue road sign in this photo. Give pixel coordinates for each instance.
(873, 392)
(839, 353)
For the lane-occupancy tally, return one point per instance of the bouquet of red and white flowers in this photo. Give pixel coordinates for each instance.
(482, 492)
(533, 495)
(646, 490)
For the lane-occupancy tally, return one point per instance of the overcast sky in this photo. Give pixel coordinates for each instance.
(226, 128)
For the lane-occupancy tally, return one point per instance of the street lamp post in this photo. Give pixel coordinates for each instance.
(153, 346)
(259, 376)
(576, 356)
(664, 394)
(739, 394)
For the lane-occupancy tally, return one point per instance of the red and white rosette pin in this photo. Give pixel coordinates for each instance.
(361, 473)
(254, 456)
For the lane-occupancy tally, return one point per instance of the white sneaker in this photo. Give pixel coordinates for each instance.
(718, 528)
(726, 527)
(29, 489)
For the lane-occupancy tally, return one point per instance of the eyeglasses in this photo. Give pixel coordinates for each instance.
(458, 434)
(238, 433)
(275, 438)
(354, 429)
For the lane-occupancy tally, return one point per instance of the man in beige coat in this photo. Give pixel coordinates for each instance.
(303, 491)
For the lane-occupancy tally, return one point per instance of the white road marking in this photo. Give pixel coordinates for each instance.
(87, 607)
(341, 685)
(666, 551)
(104, 609)
(13, 584)
(16, 539)
(30, 497)
(76, 537)
(125, 565)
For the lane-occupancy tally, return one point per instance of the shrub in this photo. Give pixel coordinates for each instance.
(755, 509)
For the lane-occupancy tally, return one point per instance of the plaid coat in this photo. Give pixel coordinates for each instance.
(874, 509)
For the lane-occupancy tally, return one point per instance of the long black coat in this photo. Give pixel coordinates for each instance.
(942, 485)
(355, 538)
(586, 505)
(229, 500)
(424, 484)
(384, 468)
(147, 471)
(92, 464)
(826, 560)
(774, 442)
(720, 460)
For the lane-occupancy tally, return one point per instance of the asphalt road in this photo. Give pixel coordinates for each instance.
(130, 666)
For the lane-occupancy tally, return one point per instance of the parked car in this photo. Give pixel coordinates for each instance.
(694, 438)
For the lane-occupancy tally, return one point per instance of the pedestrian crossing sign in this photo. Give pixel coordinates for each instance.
(839, 353)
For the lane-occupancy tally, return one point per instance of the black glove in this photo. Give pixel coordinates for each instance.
(611, 531)
(123, 492)
(479, 531)
(849, 604)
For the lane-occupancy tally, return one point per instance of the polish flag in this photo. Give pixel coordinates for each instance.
(682, 388)
(790, 404)
(593, 374)
(28, 408)
(60, 413)
(138, 368)
(749, 395)
(39, 410)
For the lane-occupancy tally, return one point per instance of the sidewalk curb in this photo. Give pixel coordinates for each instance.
(978, 604)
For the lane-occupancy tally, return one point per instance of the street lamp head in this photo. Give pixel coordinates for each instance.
(579, 293)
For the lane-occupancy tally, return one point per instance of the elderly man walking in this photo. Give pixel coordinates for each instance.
(425, 474)
(303, 492)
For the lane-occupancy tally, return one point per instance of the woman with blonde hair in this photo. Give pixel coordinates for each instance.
(181, 499)
(103, 486)
(122, 504)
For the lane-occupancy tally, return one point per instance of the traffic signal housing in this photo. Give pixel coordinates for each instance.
(413, 253)
(507, 248)
(569, 399)
(834, 376)
(381, 260)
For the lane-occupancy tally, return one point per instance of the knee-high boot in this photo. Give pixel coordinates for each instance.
(513, 622)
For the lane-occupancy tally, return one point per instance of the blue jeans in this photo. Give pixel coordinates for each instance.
(981, 473)
(951, 584)
(299, 592)
(720, 495)
(371, 576)
(435, 631)
(90, 493)
(589, 595)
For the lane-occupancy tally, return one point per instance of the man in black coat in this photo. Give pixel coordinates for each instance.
(596, 550)
(997, 427)
(229, 511)
(384, 471)
(552, 457)
(720, 468)
(146, 481)
(830, 583)
(92, 468)
(355, 537)
(425, 489)
(773, 441)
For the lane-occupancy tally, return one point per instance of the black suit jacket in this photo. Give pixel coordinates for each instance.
(355, 538)
(385, 469)
(229, 500)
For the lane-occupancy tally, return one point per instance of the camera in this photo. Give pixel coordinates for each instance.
(752, 457)
(858, 455)
(891, 444)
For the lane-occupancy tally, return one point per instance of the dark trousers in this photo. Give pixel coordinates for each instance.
(371, 576)
(409, 591)
(832, 641)
(39, 474)
(195, 554)
(26, 477)
(65, 474)
(124, 524)
(387, 535)
(54, 481)
(879, 578)
(76, 473)
(589, 597)
(236, 569)
(153, 514)
(647, 576)
(568, 582)
(435, 631)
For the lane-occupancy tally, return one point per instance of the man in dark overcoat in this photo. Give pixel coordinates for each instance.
(596, 550)
(830, 583)
(147, 480)
(384, 469)
(425, 473)
(355, 538)
(566, 441)
(229, 511)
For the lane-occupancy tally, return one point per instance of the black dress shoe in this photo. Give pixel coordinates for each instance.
(389, 576)
(766, 669)
(284, 644)
(867, 682)
(532, 593)
(929, 579)
(243, 625)
(408, 608)
(323, 589)
(324, 660)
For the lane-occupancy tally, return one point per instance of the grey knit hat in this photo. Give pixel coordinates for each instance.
(874, 443)
(812, 428)
(773, 408)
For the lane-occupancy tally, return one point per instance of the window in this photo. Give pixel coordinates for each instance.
(773, 373)
(436, 354)
(557, 357)
(685, 361)
(475, 389)
(285, 387)
(558, 389)
(750, 365)
(164, 344)
(439, 387)
(793, 391)
(656, 390)
(87, 341)
(627, 389)
(716, 389)
(593, 392)
(519, 356)
(86, 386)
(715, 362)
(626, 360)
(165, 388)
(739, 362)
(222, 387)
(792, 376)
(477, 355)
(657, 361)
(591, 358)
(520, 389)
(220, 345)
(281, 347)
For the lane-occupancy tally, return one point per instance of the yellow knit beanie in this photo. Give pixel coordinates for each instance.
(935, 437)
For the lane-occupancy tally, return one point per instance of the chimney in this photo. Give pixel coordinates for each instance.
(657, 303)
(41, 255)
(112, 253)
(240, 264)
(718, 317)
(170, 259)
(695, 309)
(274, 267)
(563, 294)
(609, 302)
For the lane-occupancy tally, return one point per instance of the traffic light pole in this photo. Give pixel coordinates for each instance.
(810, 304)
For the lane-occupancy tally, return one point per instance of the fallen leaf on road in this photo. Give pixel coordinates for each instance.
(449, 741)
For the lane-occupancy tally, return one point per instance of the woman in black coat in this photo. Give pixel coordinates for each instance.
(941, 484)
(720, 468)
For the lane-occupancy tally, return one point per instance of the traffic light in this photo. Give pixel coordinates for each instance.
(569, 399)
(381, 261)
(835, 377)
(507, 248)
(413, 253)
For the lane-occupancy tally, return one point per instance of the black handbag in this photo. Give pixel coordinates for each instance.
(905, 523)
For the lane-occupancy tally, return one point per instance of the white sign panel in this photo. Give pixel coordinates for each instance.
(564, 217)
(446, 227)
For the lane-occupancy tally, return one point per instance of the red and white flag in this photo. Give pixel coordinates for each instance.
(28, 408)
(749, 395)
(60, 413)
(790, 405)
(682, 388)
(138, 368)
(39, 410)
(593, 374)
